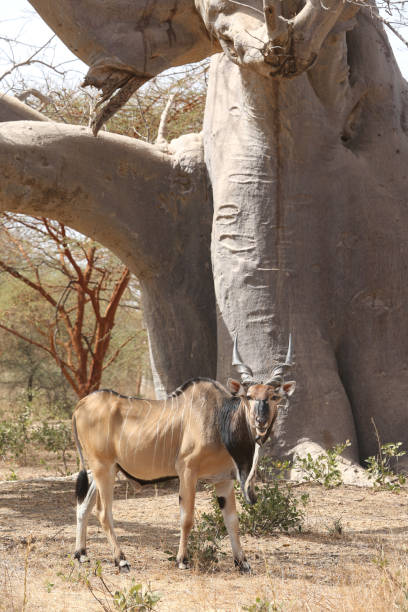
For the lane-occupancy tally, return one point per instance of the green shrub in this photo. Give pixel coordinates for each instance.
(14, 436)
(138, 598)
(204, 543)
(276, 508)
(379, 467)
(214, 519)
(12, 476)
(323, 469)
(18, 437)
(54, 437)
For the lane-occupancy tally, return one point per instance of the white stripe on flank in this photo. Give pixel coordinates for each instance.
(157, 433)
(124, 424)
(108, 434)
(140, 425)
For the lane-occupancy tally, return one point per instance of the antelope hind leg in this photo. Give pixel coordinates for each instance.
(83, 511)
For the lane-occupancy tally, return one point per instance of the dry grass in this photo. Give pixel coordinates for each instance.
(363, 568)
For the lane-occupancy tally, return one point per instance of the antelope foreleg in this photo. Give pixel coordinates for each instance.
(83, 511)
(226, 501)
(188, 482)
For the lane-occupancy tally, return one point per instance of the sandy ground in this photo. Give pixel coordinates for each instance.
(364, 568)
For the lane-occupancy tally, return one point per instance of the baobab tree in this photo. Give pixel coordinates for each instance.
(297, 187)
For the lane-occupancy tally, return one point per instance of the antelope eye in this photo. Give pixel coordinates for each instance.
(275, 397)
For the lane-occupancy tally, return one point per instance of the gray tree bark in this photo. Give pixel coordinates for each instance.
(305, 142)
(12, 109)
(309, 235)
(152, 209)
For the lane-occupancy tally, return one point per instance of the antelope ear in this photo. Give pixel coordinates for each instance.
(289, 387)
(235, 387)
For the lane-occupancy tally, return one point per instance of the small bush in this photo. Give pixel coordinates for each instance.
(12, 476)
(270, 470)
(379, 467)
(14, 436)
(19, 436)
(205, 542)
(54, 437)
(323, 469)
(214, 519)
(277, 507)
(138, 598)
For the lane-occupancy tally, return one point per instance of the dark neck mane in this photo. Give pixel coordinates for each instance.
(190, 382)
(236, 434)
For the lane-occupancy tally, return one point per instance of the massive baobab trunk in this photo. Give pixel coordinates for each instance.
(305, 142)
(310, 235)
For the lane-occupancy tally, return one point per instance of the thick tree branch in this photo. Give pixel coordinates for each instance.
(46, 170)
(152, 209)
(12, 109)
(127, 43)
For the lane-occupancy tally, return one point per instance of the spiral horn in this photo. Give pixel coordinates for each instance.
(244, 370)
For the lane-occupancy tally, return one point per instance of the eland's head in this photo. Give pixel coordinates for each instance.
(260, 401)
(262, 398)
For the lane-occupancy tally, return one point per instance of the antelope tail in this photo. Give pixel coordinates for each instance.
(82, 482)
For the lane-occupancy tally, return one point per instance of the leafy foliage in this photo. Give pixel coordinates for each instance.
(205, 541)
(20, 435)
(323, 469)
(277, 507)
(54, 437)
(14, 435)
(214, 518)
(137, 598)
(379, 467)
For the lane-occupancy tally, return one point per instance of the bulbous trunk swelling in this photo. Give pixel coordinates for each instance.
(133, 36)
(309, 236)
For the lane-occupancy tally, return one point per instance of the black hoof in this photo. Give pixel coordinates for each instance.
(81, 556)
(123, 566)
(183, 564)
(243, 566)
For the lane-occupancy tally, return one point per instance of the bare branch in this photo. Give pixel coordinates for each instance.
(161, 139)
(31, 60)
